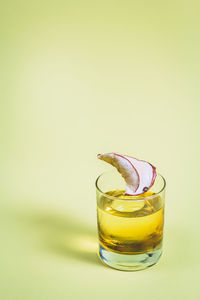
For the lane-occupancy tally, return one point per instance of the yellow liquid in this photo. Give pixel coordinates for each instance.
(130, 227)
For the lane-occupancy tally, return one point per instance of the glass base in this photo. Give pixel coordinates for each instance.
(128, 262)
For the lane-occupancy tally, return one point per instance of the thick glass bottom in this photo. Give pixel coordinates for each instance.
(128, 262)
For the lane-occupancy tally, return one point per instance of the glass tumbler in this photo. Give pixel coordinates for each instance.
(130, 228)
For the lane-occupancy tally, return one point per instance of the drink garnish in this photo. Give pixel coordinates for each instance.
(139, 175)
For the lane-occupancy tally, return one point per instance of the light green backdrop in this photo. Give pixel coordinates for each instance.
(79, 78)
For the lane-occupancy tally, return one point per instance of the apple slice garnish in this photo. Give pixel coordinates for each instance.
(139, 175)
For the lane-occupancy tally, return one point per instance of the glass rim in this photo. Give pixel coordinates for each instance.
(123, 199)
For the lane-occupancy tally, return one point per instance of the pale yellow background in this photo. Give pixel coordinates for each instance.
(79, 78)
